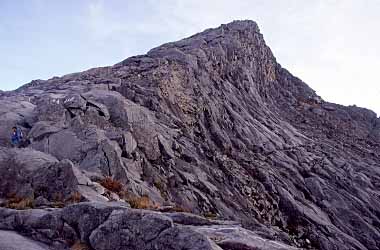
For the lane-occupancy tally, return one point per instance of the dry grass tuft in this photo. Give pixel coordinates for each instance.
(57, 204)
(210, 215)
(58, 200)
(111, 184)
(80, 246)
(20, 203)
(180, 209)
(58, 197)
(135, 201)
(75, 197)
(124, 194)
(143, 202)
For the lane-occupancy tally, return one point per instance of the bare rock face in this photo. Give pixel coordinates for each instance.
(104, 226)
(30, 174)
(13, 241)
(211, 124)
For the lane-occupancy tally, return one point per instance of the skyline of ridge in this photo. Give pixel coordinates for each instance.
(330, 45)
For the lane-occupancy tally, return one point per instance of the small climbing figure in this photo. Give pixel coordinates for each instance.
(17, 137)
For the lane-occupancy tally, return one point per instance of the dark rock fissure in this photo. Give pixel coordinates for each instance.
(107, 162)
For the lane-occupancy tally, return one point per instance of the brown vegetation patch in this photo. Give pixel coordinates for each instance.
(80, 246)
(20, 203)
(111, 184)
(75, 197)
(137, 202)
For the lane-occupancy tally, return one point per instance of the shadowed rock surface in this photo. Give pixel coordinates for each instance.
(211, 124)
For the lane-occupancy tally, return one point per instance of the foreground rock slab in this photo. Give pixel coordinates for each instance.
(13, 241)
(105, 226)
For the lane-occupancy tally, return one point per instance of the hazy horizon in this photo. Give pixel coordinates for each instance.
(331, 45)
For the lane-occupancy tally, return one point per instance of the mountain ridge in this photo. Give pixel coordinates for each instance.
(213, 124)
(244, 23)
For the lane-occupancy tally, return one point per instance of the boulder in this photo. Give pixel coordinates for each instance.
(129, 230)
(112, 225)
(56, 182)
(13, 241)
(113, 102)
(183, 238)
(237, 238)
(26, 173)
(17, 167)
(100, 108)
(50, 109)
(106, 161)
(73, 102)
(89, 216)
(65, 145)
(42, 129)
(14, 112)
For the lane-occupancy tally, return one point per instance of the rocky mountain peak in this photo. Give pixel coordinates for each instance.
(211, 125)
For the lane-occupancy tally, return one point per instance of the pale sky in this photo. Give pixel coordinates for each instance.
(332, 45)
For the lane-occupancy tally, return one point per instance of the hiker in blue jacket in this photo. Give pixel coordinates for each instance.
(16, 136)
